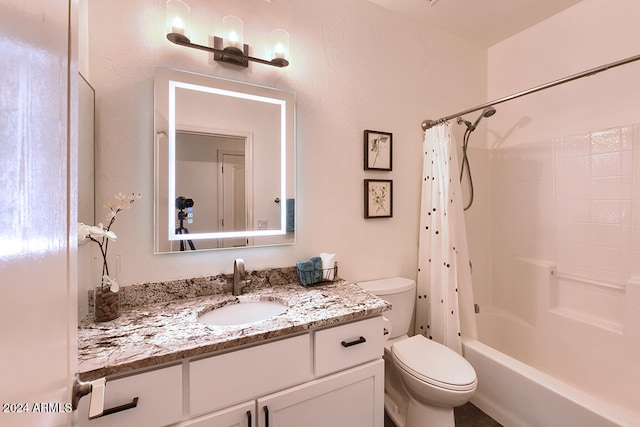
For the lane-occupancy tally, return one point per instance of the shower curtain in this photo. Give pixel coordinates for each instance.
(444, 273)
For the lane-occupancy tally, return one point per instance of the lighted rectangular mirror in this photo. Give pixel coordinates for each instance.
(224, 163)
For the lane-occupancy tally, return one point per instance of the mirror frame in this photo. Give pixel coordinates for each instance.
(172, 80)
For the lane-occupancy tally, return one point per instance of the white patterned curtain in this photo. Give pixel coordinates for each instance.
(444, 274)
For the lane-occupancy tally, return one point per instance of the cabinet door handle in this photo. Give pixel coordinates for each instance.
(120, 408)
(356, 342)
(266, 416)
(249, 424)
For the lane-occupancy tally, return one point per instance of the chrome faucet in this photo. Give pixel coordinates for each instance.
(239, 281)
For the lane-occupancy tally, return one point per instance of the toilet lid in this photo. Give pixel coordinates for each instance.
(434, 363)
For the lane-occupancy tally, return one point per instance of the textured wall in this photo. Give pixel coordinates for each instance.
(354, 66)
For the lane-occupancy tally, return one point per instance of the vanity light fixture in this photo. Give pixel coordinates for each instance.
(229, 48)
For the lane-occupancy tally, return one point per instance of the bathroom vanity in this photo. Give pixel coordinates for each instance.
(317, 364)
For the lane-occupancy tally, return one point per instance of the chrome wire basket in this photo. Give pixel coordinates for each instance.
(318, 277)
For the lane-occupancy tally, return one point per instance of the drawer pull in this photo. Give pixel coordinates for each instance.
(120, 408)
(266, 416)
(356, 342)
(249, 418)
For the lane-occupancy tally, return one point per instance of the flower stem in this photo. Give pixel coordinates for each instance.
(103, 250)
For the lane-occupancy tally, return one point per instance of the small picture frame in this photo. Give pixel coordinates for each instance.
(377, 150)
(378, 198)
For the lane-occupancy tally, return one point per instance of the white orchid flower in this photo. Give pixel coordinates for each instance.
(101, 234)
(82, 232)
(98, 232)
(121, 202)
(108, 281)
(111, 214)
(117, 205)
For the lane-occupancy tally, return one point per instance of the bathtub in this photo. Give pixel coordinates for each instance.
(517, 395)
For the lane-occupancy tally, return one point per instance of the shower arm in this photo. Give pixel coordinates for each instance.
(427, 124)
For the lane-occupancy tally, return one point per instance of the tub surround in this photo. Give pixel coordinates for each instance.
(159, 321)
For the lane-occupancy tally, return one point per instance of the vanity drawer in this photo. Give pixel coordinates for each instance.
(348, 345)
(220, 381)
(159, 400)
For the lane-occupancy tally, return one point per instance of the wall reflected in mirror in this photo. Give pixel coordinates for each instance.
(224, 163)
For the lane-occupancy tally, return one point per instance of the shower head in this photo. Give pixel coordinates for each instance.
(487, 112)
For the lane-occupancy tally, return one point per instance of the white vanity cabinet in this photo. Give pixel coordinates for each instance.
(332, 377)
(348, 399)
(242, 415)
(353, 398)
(220, 381)
(147, 399)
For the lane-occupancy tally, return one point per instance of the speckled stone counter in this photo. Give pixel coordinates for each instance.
(165, 328)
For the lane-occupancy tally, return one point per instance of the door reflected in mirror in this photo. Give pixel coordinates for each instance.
(224, 163)
(225, 204)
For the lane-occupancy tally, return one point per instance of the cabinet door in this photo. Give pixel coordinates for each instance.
(352, 398)
(242, 415)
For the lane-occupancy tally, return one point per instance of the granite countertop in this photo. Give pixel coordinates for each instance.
(166, 331)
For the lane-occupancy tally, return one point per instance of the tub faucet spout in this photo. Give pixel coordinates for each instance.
(239, 281)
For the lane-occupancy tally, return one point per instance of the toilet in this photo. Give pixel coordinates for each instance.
(424, 380)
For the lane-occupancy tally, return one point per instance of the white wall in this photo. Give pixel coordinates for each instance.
(354, 66)
(565, 196)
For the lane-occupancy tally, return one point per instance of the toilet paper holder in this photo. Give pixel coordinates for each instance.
(96, 406)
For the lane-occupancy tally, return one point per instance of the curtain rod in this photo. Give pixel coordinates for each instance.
(426, 124)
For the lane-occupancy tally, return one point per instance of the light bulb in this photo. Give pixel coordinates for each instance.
(280, 46)
(232, 28)
(177, 17)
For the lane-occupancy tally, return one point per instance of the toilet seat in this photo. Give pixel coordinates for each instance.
(391, 341)
(434, 363)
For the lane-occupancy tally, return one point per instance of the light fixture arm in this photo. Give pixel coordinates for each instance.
(235, 57)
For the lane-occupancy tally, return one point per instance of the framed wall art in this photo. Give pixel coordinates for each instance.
(378, 198)
(377, 150)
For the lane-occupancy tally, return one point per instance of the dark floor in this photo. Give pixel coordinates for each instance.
(466, 416)
(469, 415)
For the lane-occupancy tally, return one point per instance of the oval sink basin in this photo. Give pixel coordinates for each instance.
(238, 313)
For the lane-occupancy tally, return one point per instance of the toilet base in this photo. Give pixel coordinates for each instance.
(397, 413)
(420, 415)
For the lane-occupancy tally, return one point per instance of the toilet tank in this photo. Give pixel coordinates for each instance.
(401, 294)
